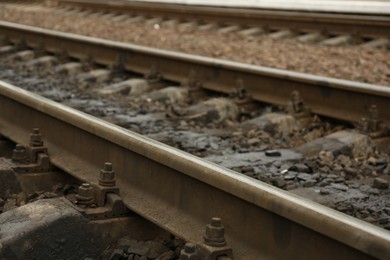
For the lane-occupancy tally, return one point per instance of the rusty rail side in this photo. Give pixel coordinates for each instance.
(180, 192)
(359, 25)
(342, 99)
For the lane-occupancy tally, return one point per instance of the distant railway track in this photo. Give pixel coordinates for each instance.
(177, 191)
(322, 28)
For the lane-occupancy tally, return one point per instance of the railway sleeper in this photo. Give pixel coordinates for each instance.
(58, 226)
(53, 229)
(52, 224)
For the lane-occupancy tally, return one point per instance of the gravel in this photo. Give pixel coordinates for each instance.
(350, 62)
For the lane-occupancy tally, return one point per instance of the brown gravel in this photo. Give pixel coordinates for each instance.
(352, 63)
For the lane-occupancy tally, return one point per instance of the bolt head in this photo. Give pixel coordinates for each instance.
(189, 252)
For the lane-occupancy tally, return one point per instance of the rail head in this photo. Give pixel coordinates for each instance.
(181, 192)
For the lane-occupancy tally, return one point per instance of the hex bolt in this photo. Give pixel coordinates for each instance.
(215, 233)
(296, 101)
(189, 252)
(36, 138)
(19, 153)
(107, 176)
(374, 113)
(85, 194)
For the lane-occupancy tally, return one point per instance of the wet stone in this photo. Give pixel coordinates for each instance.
(380, 183)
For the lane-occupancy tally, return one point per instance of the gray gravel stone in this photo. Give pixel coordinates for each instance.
(290, 176)
(373, 191)
(304, 176)
(364, 188)
(324, 191)
(279, 182)
(338, 186)
(309, 183)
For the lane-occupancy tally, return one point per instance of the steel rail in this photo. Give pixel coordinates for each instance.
(341, 99)
(359, 25)
(180, 192)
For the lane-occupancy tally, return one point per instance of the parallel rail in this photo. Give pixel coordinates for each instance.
(352, 24)
(180, 192)
(341, 99)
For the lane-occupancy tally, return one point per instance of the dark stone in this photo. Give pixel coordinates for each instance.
(167, 255)
(324, 191)
(380, 183)
(300, 167)
(278, 182)
(116, 254)
(309, 183)
(273, 153)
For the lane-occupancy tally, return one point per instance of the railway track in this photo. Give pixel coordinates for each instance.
(158, 182)
(320, 28)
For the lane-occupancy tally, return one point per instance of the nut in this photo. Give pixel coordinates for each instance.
(19, 153)
(36, 138)
(85, 195)
(215, 233)
(107, 176)
(189, 252)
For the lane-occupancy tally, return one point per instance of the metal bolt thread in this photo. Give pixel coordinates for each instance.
(36, 138)
(215, 233)
(107, 176)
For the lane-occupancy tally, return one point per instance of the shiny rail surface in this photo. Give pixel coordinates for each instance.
(180, 192)
(341, 99)
(358, 25)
